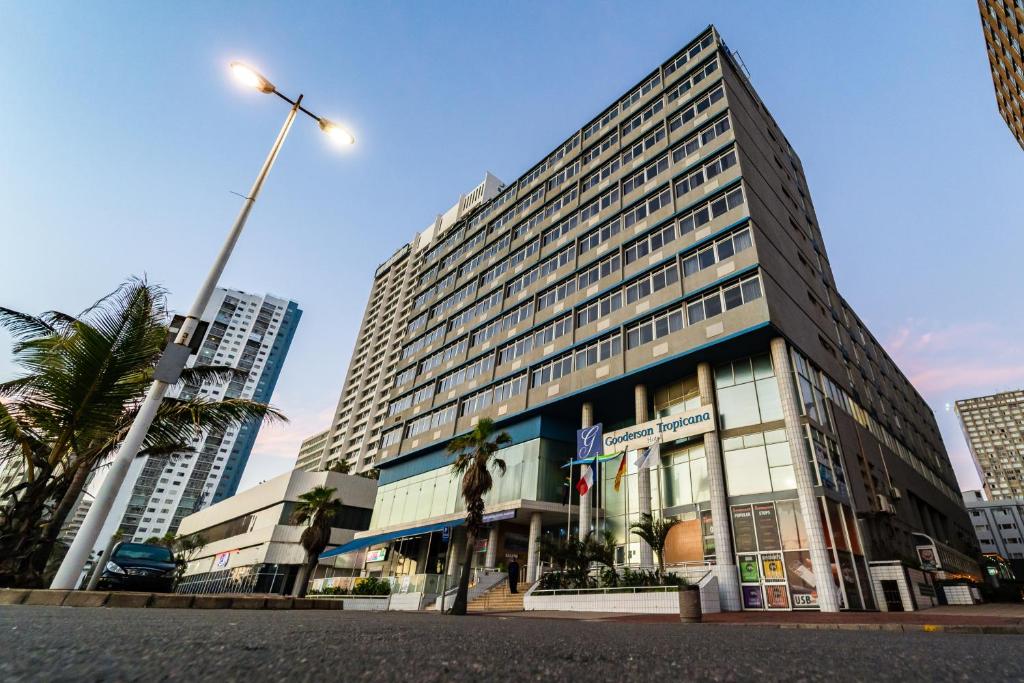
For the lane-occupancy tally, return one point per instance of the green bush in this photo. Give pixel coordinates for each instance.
(371, 585)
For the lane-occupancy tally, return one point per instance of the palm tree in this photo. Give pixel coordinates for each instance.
(655, 532)
(474, 454)
(340, 466)
(84, 379)
(317, 508)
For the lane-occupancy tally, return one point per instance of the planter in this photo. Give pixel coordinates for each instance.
(689, 605)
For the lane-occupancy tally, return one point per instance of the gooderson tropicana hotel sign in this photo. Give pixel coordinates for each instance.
(679, 426)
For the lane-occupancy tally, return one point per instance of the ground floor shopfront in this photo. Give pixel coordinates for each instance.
(761, 490)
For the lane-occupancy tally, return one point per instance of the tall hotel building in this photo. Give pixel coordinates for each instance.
(661, 264)
(994, 427)
(251, 333)
(1002, 22)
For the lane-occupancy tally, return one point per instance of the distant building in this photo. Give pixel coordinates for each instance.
(994, 428)
(999, 525)
(74, 522)
(311, 452)
(1002, 22)
(252, 544)
(249, 332)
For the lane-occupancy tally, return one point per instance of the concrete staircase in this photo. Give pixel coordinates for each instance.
(499, 599)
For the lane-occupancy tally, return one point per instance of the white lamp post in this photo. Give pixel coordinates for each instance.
(174, 357)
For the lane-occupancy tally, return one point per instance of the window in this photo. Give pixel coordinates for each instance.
(642, 117)
(650, 243)
(645, 175)
(390, 438)
(505, 322)
(563, 175)
(599, 308)
(722, 298)
(601, 122)
(423, 393)
(698, 140)
(717, 251)
(517, 257)
(510, 387)
(699, 106)
(406, 375)
(713, 208)
(685, 85)
(477, 401)
(398, 405)
(560, 203)
(758, 463)
(466, 373)
(595, 151)
(598, 351)
(446, 354)
(705, 172)
(656, 202)
(453, 299)
(563, 228)
(599, 204)
(637, 149)
(601, 174)
(654, 327)
(651, 282)
(481, 306)
(488, 252)
(552, 330)
(634, 97)
(515, 349)
(598, 236)
(421, 343)
(688, 54)
(552, 370)
(553, 295)
(598, 271)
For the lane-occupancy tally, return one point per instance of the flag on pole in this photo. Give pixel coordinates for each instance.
(586, 480)
(643, 458)
(621, 472)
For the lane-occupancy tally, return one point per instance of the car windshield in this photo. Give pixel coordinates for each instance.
(140, 551)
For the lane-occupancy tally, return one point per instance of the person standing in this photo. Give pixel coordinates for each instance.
(513, 576)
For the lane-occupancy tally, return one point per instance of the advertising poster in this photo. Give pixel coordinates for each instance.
(767, 525)
(752, 597)
(771, 567)
(749, 572)
(802, 582)
(743, 529)
(221, 560)
(776, 597)
(377, 555)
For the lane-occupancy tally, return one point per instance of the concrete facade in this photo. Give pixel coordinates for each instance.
(999, 525)
(1002, 22)
(994, 429)
(671, 233)
(252, 544)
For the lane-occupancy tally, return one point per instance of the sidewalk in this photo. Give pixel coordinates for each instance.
(995, 618)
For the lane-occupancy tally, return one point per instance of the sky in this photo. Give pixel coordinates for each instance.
(123, 138)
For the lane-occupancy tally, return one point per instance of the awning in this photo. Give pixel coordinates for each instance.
(367, 541)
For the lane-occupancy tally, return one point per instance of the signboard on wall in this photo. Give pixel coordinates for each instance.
(679, 426)
(771, 566)
(767, 525)
(743, 529)
(377, 555)
(752, 597)
(749, 572)
(588, 442)
(222, 559)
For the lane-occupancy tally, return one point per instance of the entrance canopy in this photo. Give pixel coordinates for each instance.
(360, 543)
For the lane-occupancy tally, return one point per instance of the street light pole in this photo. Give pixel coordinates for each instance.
(67, 576)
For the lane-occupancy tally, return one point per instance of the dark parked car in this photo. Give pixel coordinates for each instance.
(139, 567)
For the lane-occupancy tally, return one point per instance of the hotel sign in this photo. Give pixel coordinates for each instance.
(680, 426)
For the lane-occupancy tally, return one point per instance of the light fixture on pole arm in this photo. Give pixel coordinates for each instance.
(176, 354)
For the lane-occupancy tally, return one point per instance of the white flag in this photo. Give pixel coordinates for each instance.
(643, 457)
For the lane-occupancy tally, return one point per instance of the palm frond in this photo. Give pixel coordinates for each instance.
(24, 325)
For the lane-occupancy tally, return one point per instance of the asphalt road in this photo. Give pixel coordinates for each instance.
(96, 644)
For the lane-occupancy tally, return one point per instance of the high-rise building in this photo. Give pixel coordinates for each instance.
(660, 273)
(1002, 22)
(311, 452)
(363, 409)
(251, 333)
(999, 525)
(994, 428)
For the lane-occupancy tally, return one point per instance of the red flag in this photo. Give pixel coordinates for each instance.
(586, 481)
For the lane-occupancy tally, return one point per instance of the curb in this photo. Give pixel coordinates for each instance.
(54, 598)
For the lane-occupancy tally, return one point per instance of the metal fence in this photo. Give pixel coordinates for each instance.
(252, 579)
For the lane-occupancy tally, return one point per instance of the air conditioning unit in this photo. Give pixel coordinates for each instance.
(885, 505)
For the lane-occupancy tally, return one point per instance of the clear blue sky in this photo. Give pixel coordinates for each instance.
(122, 137)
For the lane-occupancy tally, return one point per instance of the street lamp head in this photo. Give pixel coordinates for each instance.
(336, 132)
(250, 77)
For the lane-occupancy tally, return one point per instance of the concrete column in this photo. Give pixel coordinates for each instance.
(821, 563)
(643, 478)
(458, 549)
(728, 578)
(533, 548)
(491, 557)
(586, 420)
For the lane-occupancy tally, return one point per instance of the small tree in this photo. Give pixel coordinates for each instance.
(655, 532)
(316, 508)
(340, 466)
(474, 454)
